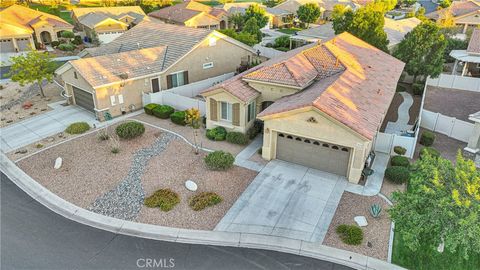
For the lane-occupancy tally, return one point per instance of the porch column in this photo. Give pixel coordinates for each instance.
(15, 45)
(455, 67)
(464, 69)
(465, 26)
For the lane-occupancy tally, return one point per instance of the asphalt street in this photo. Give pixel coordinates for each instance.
(33, 237)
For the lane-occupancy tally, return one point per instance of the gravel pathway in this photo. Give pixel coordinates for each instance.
(126, 200)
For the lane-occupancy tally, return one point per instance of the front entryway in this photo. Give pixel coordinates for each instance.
(46, 37)
(83, 99)
(315, 154)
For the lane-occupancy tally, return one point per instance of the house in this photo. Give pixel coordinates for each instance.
(467, 62)
(193, 14)
(107, 23)
(465, 14)
(277, 18)
(22, 27)
(326, 6)
(111, 79)
(322, 105)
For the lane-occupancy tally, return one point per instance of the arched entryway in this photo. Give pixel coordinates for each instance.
(46, 37)
(223, 24)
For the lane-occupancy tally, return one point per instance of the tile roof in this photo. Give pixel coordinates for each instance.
(110, 11)
(397, 29)
(293, 5)
(101, 70)
(457, 8)
(474, 43)
(183, 12)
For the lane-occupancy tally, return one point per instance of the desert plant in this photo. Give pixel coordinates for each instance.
(114, 144)
(399, 150)
(427, 138)
(103, 134)
(203, 200)
(350, 234)
(165, 199)
(397, 174)
(66, 47)
(192, 118)
(178, 118)
(130, 130)
(77, 128)
(217, 134)
(400, 161)
(38, 145)
(237, 138)
(219, 160)
(163, 111)
(375, 210)
(429, 151)
(149, 108)
(115, 150)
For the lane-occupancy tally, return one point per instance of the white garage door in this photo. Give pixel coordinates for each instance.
(107, 37)
(313, 154)
(83, 98)
(23, 44)
(6, 45)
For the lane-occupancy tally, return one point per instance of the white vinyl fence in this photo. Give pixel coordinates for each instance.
(385, 142)
(450, 126)
(456, 82)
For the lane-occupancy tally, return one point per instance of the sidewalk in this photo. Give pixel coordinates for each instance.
(374, 182)
(401, 125)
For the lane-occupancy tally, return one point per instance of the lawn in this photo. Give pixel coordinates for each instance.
(290, 31)
(57, 12)
(427, 259)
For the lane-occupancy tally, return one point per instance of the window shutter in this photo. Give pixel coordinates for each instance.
(213, 109)
(185, 77)
(169, 81)
(236, 114)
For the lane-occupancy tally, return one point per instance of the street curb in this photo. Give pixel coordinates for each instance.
(75, 213)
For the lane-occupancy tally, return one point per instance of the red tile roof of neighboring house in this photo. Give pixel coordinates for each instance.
(458, 8)
(474, 43)
(183, 12)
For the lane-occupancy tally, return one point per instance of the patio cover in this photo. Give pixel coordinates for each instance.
(462, 55)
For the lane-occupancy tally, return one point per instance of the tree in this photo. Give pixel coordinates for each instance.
(384, 5)
(441, 206)
(365, 23)
(243, 37)
(308, 13)
(422, 50)
(408, 2)
(445, 3)
(257, 12)
(34, 67)
(251, 27)
(272, 3)
(237, 21)
(225, 1)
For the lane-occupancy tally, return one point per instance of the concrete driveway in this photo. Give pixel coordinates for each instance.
(42, 126)
(287, 200)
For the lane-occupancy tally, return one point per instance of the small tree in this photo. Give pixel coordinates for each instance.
(257, 12)
(445, 3)
(251, 27)
(237, 21)
(68, 35)
(192, 118)
(308, 13)
(34, 67)
(385, 5)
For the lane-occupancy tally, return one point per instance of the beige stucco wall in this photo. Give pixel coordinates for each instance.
(470, 19)
(52, 30)
(202, 20)
(325, 129)
(270, 92)
(110, 26)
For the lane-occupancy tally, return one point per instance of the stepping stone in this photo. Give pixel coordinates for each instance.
(361, 221)
(190, 185)
(58, 163)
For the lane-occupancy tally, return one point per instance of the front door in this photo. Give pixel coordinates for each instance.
(155, 85)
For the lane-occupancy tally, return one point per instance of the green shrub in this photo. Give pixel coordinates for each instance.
(178, 118)
(282, 41)
(130, 130)
(163, 111)
(55, 43)
(149, 108)
(77, 40)
(77, 128)
(400, 161)
(283, 49)
(350, 234)
(430, 151)
(115, 150)
(67, 34)
(165, 199)
(66, 47)
(237, 138)
(217, 134)
(203, 200)
(401, 88)
(399, 150)
(219, 160)
(397, 174)
(417, 88)
(427, 138)
(103, 135)
(38, 145)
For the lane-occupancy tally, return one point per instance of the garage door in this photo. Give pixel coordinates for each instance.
(313, 154)
(23, 44)
(6, 45)
(107, 37)
(83, 99)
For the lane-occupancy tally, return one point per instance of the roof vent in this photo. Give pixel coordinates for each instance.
(123, 76)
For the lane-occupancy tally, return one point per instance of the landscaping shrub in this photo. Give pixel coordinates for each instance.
(429, 150)
(130, 130)
(77, 128)
(399, 150)
(217, 134)
(203, 200)
(55, 43)
(417, 88)
(400, 161)
(237, 138)
(255, 129)
(163, 111)
(67, 34)
(66, 47)
(397, 174)
(401, 88)
(350, 234)
(103, 135)
(38, 145)
(219, 160)
(427, 138)
(77, 40)
(165, 199)
(149, 108)
(282, 41)
(178, 118)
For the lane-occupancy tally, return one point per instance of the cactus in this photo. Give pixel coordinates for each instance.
(375, 210)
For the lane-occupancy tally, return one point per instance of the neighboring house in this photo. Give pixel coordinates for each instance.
(322, 105)
(21, 27)
(111, 79)
(467, 62)
(277, 18)
(107, 23)
(466, 14)
(326, 6)
(193, 14)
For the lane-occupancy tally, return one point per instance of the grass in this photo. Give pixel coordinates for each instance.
(64, 15)
(428, 259)
(289, 31)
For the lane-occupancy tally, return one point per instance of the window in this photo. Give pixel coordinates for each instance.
(112, 100)
(178, 79)
(226, 113)
(120, 99)
(212, 42)
(251, 111)
(75, 75)
(208, 65)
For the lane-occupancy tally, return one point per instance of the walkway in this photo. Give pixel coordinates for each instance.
(286, 200)
(242, 159)
(401, 125)
(374, 182)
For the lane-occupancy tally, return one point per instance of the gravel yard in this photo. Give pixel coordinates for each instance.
(377, 232)
(172, 168)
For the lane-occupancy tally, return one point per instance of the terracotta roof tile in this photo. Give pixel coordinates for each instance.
(474, 43)
(183, 12)
(458, 8)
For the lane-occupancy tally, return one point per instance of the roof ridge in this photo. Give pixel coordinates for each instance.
(164, 57)
(291, 73)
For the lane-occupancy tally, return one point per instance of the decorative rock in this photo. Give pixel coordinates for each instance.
(361, 221)
(23, 151)
(50, 139)
(58, 163)
(190, 185)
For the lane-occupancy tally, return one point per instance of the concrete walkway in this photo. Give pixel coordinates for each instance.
(401, 125)
(286, 200)
(242, 159)
(374, 182)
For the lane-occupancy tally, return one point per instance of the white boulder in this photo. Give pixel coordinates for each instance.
(58, 163)
(361, 221)
(190, 185)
